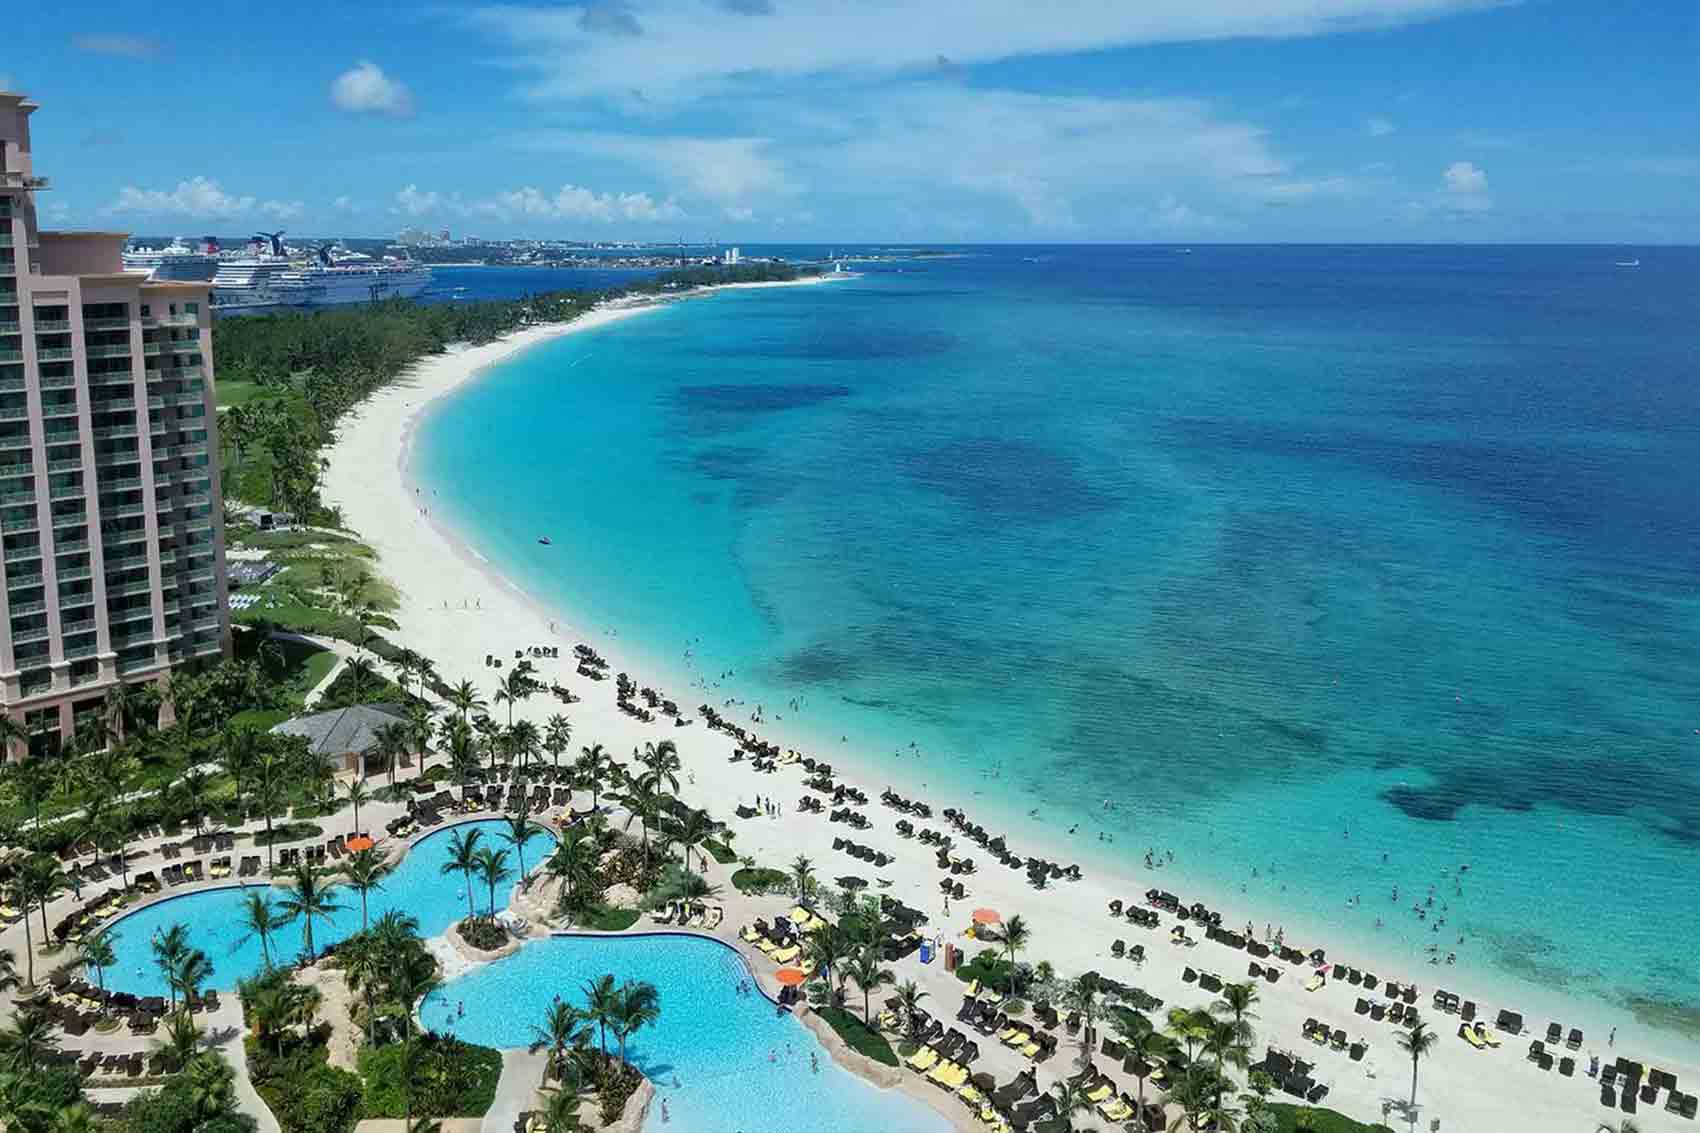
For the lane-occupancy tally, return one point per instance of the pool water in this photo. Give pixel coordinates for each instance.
(417, 886)
(724, 1063)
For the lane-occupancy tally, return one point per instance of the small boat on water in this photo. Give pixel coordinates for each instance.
(1629, 263)
(544, 539)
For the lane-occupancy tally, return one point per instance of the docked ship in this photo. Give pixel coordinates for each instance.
(270, 279)
(177, 261)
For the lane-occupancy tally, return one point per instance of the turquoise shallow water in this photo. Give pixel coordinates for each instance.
(722, 1062)
(1350, 566)
(417, 887)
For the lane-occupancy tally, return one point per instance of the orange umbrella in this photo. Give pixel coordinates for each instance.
(359, 843)
(791, 977)
(987, 916)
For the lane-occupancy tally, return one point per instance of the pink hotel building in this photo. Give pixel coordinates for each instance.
(111, 515)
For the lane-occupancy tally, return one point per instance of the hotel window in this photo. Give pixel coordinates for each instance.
(145, 311)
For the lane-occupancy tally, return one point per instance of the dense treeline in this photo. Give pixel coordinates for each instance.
(304, 370)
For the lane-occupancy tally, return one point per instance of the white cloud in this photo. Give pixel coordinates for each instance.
(680, 48)
(199, 197)
(724, 170)
(568, 203)
(1464, 178)
(1286, 192)
(1463, 192)
(123, 46)
(347, 205)
(740, 215)
(1378, 127)
(365, 89)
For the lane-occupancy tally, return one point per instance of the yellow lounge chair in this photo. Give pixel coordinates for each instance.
(1314, 982)
(1098, 1094)
(1468, 1034)
(941, 1070)
(748, 934)
(786, 955)
(1031, 1050)
(799, 915)
(973, 989)
(970, 1095)
(1116, 1110)
(923, 1058)
(1008, 1033)
(988, 1114)
(766, 945)
(1487, 1035)
(958, 1075)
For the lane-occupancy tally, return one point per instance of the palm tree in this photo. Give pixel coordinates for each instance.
(464, 698)
(194, 785)
(271, 771)
(1236, 1003)
(492, 871)
(644, 805)
(307, 900)
(357, 796)
(454, 736)
(803, 879)
(364, 965)
(909, 997)
(29, 1039)
(590, 764)
(519, 830)
(1015, 935)
(261, 919)
(40, 879)
(463, 857)
(78, 1118)
(182, 1039)
(8, 970)
(212, 1089)
(392, 742)
(188, 973)
(523, 742)
(557, 737)
(412, 976)
(1188, 1026)
(601, 997)
(1142, 1042)
(562, 1029)
(692, 833)
(15, 891)
(560, 1112)
(1082, 997)
(168, 948)
(574, 862)
(1070, 1097)
(1416, 1042)
(365, 870)
(866, 970)
(637, 1005)
(276, 1006)
(1222, 1042)
(825, 947)
(96, 952)
(419, 715)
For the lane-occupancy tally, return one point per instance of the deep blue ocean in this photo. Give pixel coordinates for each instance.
(1347, 565)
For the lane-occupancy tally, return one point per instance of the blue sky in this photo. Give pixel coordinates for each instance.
(852, 120)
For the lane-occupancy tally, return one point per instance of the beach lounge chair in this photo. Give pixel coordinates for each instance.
(923, 1059)
(1555, 1034)
(1487, 1035)
(1574, 1042)
(1469, 1035)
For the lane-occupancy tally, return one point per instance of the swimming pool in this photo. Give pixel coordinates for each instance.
(417, 886)
(740, 1067)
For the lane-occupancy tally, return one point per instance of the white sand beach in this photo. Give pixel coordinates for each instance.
(1460, 1087)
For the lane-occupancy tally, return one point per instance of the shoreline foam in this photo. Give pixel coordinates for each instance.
(369, 475)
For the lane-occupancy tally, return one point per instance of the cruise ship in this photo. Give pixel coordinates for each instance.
(268, 281)
(176, 261)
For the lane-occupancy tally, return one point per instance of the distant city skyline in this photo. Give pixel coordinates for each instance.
(775, 121)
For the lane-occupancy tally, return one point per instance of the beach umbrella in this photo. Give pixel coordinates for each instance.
(356, 844)
(852, 883)
(987, 916)
(790, 977)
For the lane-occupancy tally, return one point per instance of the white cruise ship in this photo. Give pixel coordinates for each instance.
(175, 261)
(254, 284)
(351, 277)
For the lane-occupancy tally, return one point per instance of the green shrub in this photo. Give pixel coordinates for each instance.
(719, 851)
(990, 967)
(451, 1078)
(758, 880)
(485, 935)
(858, 1037)
(1321, 1120)
(304, 1092)
(605, 918)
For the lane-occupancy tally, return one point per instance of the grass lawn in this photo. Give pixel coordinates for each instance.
(760, 880)
(229, 393)
(293, 615)
(289, 832)
(601, 918)
(860, 1039)
(720, 851)
(1321, 1120)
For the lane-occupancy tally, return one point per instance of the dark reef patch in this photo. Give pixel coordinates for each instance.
(1009, 479)
(752, 399)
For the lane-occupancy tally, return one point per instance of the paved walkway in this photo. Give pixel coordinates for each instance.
(522, 1071)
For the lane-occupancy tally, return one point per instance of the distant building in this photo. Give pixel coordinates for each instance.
(112, 515)
(345, 738)
(731, 257)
